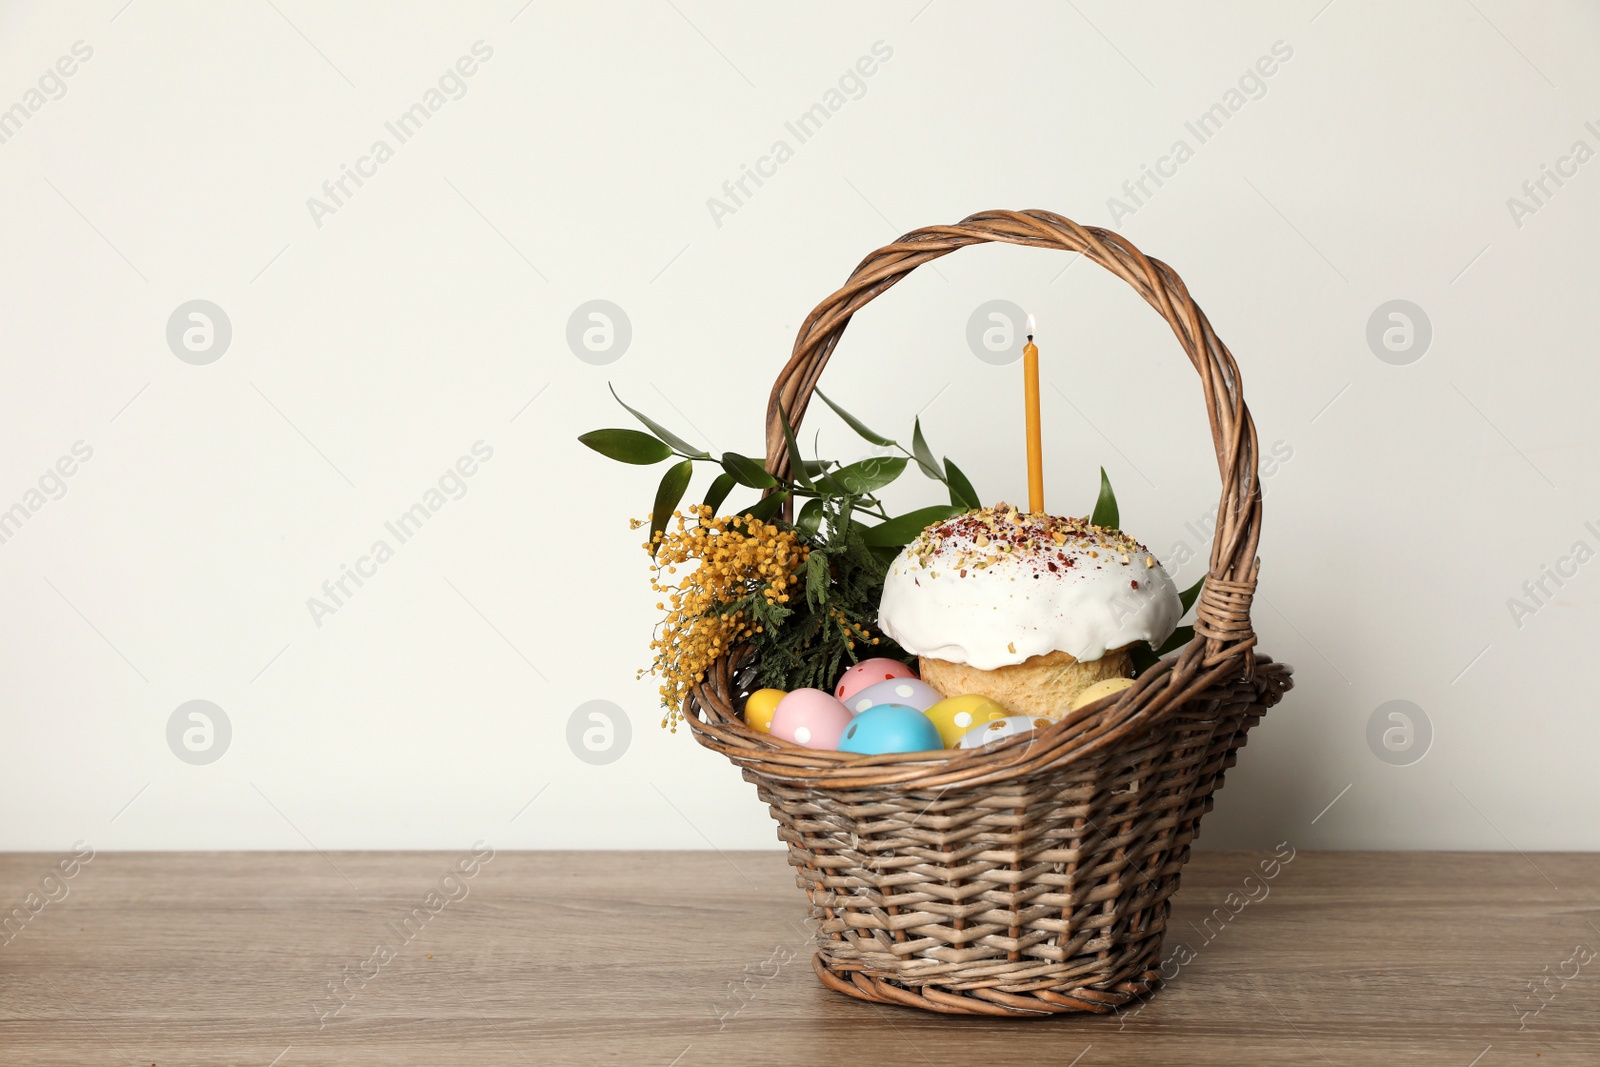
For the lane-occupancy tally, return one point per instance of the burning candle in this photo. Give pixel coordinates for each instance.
(1030, 384)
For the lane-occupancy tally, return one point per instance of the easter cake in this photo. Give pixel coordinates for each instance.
(1029, 610)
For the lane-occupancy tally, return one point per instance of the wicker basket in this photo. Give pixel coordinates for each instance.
(1034, 877)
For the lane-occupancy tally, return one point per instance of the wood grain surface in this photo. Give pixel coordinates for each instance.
(582, 958)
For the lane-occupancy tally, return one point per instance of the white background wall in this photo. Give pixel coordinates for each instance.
(429, 312)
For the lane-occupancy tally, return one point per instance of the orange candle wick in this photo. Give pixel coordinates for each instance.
(1030, 382)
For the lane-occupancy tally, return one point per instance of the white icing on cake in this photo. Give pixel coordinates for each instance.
(991, 588)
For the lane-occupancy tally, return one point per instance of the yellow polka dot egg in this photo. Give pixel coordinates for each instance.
(955, 716)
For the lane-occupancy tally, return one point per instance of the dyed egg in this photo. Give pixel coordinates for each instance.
(869, 672)
(910, 692)
(759, 707)
(888, 728)
(1103, 688)
(810, 717)
(955, 716)
(1000, 729)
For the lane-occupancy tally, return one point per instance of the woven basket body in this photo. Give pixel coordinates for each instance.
(1032, 877)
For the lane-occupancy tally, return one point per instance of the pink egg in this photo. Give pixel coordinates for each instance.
(869, 672)
(811, 718)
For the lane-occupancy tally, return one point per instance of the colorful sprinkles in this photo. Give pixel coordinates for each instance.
(1044, 544)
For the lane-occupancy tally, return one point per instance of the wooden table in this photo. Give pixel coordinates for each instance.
(580, 958)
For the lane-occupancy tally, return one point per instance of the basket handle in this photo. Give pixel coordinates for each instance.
(1222, 616)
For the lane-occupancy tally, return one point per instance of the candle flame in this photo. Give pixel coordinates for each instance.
(1030, 324)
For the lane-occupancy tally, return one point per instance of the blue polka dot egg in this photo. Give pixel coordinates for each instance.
(890, 728)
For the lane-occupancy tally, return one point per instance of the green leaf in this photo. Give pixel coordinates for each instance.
(767, 506)
(721, 486)
(662, 432)
(1105, 509)
(961, 492)
(1180, 637)
(856, 424)
(797, 463)
(816, 578)
(668, 494)
(1187, 597)
(884, 554)
(809, 521)
(924, 454)
(817, 466)
(747, 471)
(827, 486)
(904, 528)
(868, 475)
(626, 446)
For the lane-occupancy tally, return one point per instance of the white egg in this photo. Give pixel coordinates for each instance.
(1000, 729)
